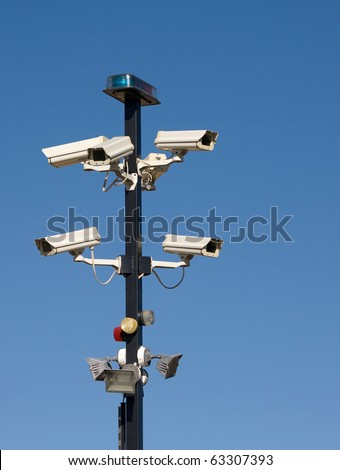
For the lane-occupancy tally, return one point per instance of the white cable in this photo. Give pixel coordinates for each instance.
(117, 181)
(104, 188)
(95, 272)
(169, 287)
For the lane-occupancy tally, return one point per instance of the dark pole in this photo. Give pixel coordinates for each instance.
(134, 93)
(121, 426)
(133, 251)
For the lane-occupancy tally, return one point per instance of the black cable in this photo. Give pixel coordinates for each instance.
(169, 287)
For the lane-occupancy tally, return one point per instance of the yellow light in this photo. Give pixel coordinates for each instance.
(129, 325)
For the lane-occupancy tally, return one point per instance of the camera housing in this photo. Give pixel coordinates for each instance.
(176, 141)
(93, 153)
(72, 153)
(110, 151)
(71, 242)
(192, 246)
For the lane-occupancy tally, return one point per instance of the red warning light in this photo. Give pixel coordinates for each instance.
(118, 334)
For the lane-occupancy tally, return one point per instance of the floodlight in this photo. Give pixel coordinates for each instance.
(122, 380)
(99, 367)
(167, 365)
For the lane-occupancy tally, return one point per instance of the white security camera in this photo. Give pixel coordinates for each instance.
(179, 143)
(152, 167)
(109, 151)
(176, 141)
(72, 242)
(94, 152)
(70, 154)
(191, 246)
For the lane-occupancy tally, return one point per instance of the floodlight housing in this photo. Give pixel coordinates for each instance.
(99, 367)
(167, 365)
(122, 380)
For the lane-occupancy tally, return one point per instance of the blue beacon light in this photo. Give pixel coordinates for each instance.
(127, 86)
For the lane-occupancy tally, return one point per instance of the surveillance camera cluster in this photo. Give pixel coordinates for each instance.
(186, 247)
(111, 155)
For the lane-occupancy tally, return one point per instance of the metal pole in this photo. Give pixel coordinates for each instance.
(121, 426)
(133, 251)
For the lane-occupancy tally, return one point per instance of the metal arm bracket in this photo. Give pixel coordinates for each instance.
(184, 263)
(115, 263)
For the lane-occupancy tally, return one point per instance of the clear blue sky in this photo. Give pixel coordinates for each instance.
(258, 327)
